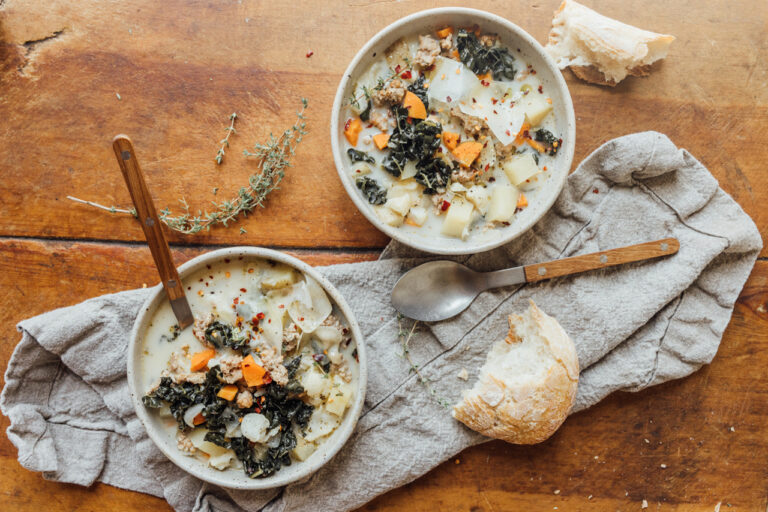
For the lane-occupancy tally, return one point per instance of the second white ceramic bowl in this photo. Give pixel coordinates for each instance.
(511, 36)
(233, 478)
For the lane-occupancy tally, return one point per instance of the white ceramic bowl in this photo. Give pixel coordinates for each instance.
(511, 36)
(232, 478)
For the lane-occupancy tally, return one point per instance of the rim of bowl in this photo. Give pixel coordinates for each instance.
(567, 154)
(343, 432)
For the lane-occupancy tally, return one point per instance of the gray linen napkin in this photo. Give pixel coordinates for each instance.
(634, 326)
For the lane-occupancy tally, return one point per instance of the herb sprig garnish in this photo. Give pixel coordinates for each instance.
(273, 158)
(405, 336)
(225, 141)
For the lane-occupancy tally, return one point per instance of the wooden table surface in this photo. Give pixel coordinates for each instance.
(72, 75)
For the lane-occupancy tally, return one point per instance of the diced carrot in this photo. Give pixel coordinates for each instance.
(538, 146)
(522, 201)
(451, 140)
(443, 33)
(467, 152)
(520, 138)
(253, 374)
(487, 76)
(455, 54)
(352, 131)
(199, 419)
(381, 140)
(200, 359)
(415, 106)
(228, 393)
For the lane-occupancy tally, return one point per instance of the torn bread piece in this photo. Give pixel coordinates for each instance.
(602, 50)
(528, 383)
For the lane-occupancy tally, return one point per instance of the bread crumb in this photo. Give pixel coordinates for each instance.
(645, 504)
(463, 374)
(663, 466)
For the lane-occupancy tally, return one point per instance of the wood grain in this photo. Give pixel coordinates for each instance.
(170, 73)
(601, 259)
(181, 67)
(601, 452)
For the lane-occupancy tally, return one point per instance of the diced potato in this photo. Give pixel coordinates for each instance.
(458, 218)
(223, 460)
(321, 423)
(339, 398)
(303, 448)
(417, 215)
(520, 167)
(400, 204)
(536, 108)
(457, 187)
(361, 169)
(278, 277)
(314, 382)
(388, 216)
(197, 437)
(503, 203)
(408, 185)
(479, 196)
(328, 335)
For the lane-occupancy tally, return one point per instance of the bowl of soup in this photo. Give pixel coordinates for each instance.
(268, 383)
(453, 131)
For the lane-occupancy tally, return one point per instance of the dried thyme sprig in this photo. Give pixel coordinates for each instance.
(405, 336)
(273, 157)
(225, 141)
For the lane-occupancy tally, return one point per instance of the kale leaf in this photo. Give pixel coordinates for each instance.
(360, 156)
(183, 395)
(365, 115)
(371, 190)
(419, 90)
(221, 335)
(551, 142)
(481, 58)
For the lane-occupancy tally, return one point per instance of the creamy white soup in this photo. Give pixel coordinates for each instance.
(450, 134)
(264, 376)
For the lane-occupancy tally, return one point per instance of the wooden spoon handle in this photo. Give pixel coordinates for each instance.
(150, 223)
(602, 259)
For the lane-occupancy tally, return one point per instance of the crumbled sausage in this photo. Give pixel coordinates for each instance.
(291, 337)
(381, 120)
(391, 94)
(231, 371)
(244, 399)
(342, 370)
(488, 40)
(184, 443)
(201, 324)
(463, 174)
(192, 377)
(473, 126)
(428, 51)
(273, 362)
(503, 152)
(446, 43)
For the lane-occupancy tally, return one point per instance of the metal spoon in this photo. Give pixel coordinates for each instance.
(439, 290)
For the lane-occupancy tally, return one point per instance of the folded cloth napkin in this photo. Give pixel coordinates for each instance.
(634, 326)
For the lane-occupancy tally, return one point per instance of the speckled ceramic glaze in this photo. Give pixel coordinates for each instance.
(235, 478)
(512, 37)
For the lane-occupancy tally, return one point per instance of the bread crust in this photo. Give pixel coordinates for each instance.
(529, 413)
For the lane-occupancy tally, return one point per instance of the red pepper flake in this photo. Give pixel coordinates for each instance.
(494, 101)
(484, 83)
(448, 99)
(397, 68)
(243, 290)
(346, 125)
(508, 134)
(595, 191)
(445, 205)
(250, 271)
(474, 100)
(310, 53)
(533, 71)
(236, 300)
(495, 112)
(491, 179)
(486, 167)
(541, 89)
(406, 74)
(301, 319)
(260, 316)
(545, 167)
(281, 306)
